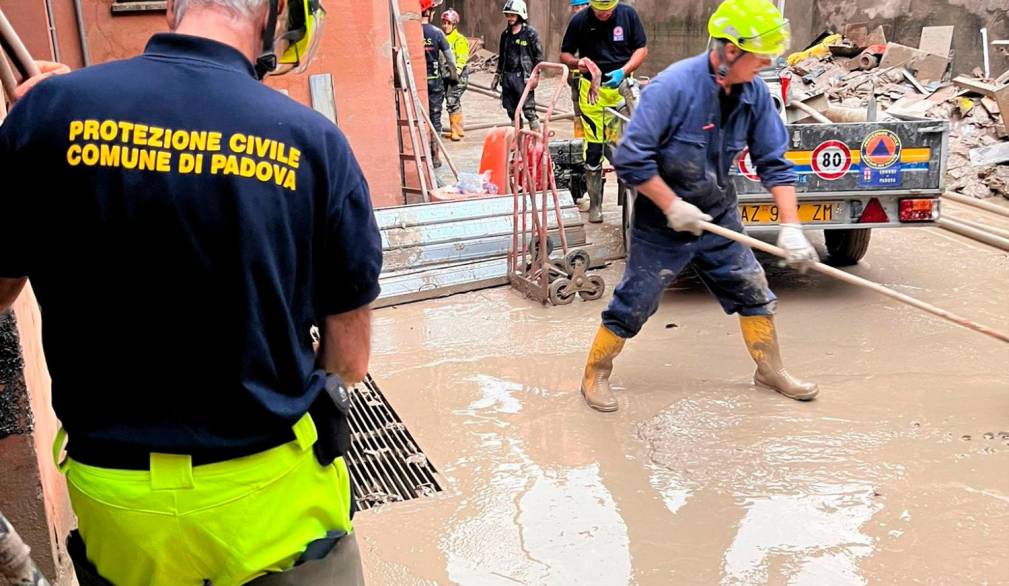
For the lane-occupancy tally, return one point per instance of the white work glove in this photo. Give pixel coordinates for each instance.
(799, 253)
(684, 217)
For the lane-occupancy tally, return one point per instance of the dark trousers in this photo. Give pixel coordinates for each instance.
(435, 97)
(512, 85)
(728, 269)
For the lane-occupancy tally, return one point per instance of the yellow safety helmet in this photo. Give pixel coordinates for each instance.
(305, 19)
(604, 5)
(755, 26)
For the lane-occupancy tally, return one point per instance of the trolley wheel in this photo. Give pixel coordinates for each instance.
(562, 292)
(594, 288)
(576, 258)
(534, 247)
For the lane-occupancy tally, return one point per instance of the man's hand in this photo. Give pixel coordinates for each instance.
(495, 82)
(799, 253)
(685, 217)
(47, 69)
(614, 78)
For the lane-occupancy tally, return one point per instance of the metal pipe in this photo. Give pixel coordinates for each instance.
(441, 145)
(813, 113)
(486, 125)
(973, 233)
(79, 15)
(22, 59)
(859, 281)
(7, 79)
(990, 207)
(52, 31)
(16, 564)
(1000, 232)
(486, 91)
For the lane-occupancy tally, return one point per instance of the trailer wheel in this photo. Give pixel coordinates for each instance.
(627, 214)
(847, 247)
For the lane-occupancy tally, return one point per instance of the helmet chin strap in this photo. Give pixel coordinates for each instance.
(724, 65)
(267, 60)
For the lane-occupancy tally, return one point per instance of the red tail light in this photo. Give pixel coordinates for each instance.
(873, 213)
(785, 80)
(919, 210)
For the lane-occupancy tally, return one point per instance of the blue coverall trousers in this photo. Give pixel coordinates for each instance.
(728, 269)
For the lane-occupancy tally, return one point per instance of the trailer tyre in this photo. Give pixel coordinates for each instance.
(847, 247)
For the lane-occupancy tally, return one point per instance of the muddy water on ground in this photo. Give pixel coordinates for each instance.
(897, 473)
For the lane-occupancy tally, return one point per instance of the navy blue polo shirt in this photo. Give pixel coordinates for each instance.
(610, 43)
(183, 226)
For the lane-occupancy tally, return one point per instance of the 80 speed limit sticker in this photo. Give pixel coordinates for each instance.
(831, 160)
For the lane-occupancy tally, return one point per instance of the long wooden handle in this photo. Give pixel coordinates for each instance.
(860, 282)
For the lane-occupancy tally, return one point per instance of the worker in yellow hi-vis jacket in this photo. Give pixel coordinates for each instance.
(460, 48)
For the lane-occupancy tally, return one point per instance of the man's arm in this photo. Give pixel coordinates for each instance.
(788, 204)
(9, 290)
(345, 347)
(637, 58)
(537, 47)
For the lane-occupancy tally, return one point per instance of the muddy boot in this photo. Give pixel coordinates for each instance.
(596, 381)
(594, 186)
(579, 129)
(455, 121)
(762, 342)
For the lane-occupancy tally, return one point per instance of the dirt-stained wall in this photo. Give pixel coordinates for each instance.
(902, 21)
(678, 28)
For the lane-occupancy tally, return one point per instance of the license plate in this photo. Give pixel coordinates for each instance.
(809, 213)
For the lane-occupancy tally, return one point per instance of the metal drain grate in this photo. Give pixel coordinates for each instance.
(385, 463)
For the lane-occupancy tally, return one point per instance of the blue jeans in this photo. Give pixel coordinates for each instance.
(728, 269)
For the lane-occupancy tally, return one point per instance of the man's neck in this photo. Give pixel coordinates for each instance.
(714, 62)
(516, 28)
(222, 27)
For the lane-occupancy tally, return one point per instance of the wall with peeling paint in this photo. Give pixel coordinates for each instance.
(356, 51)
(678, 28)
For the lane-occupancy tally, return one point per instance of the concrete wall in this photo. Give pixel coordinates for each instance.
(678, 28)
(33, 494)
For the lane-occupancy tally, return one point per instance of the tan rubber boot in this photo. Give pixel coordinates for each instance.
(762, 342)
(596, 380)
(579, 129)
(455, 120)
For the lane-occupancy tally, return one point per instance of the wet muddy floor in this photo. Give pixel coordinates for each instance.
(897, 473)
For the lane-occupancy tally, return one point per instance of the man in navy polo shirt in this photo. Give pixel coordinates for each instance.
(610, 39)
(184, 226)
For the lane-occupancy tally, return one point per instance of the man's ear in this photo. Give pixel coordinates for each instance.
(170, 15)
(732, 52)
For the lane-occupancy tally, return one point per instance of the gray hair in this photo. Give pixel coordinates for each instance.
(244, 9)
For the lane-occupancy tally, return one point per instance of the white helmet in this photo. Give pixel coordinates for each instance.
(516, 7)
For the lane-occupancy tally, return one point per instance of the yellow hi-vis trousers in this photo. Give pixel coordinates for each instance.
(599, 126)
(226, 522)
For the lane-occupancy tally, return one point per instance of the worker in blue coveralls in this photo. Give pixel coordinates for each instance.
(184, 226)
(693, 120)
(436, 48)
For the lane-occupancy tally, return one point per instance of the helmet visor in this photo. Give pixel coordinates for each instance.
(304, 42)
(770, 43)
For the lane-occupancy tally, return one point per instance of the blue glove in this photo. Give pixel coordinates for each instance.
(613, 79)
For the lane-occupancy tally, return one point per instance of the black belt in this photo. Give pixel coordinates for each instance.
(103, 454)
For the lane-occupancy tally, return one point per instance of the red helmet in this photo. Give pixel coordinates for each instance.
(451, 16)
(426, 5)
